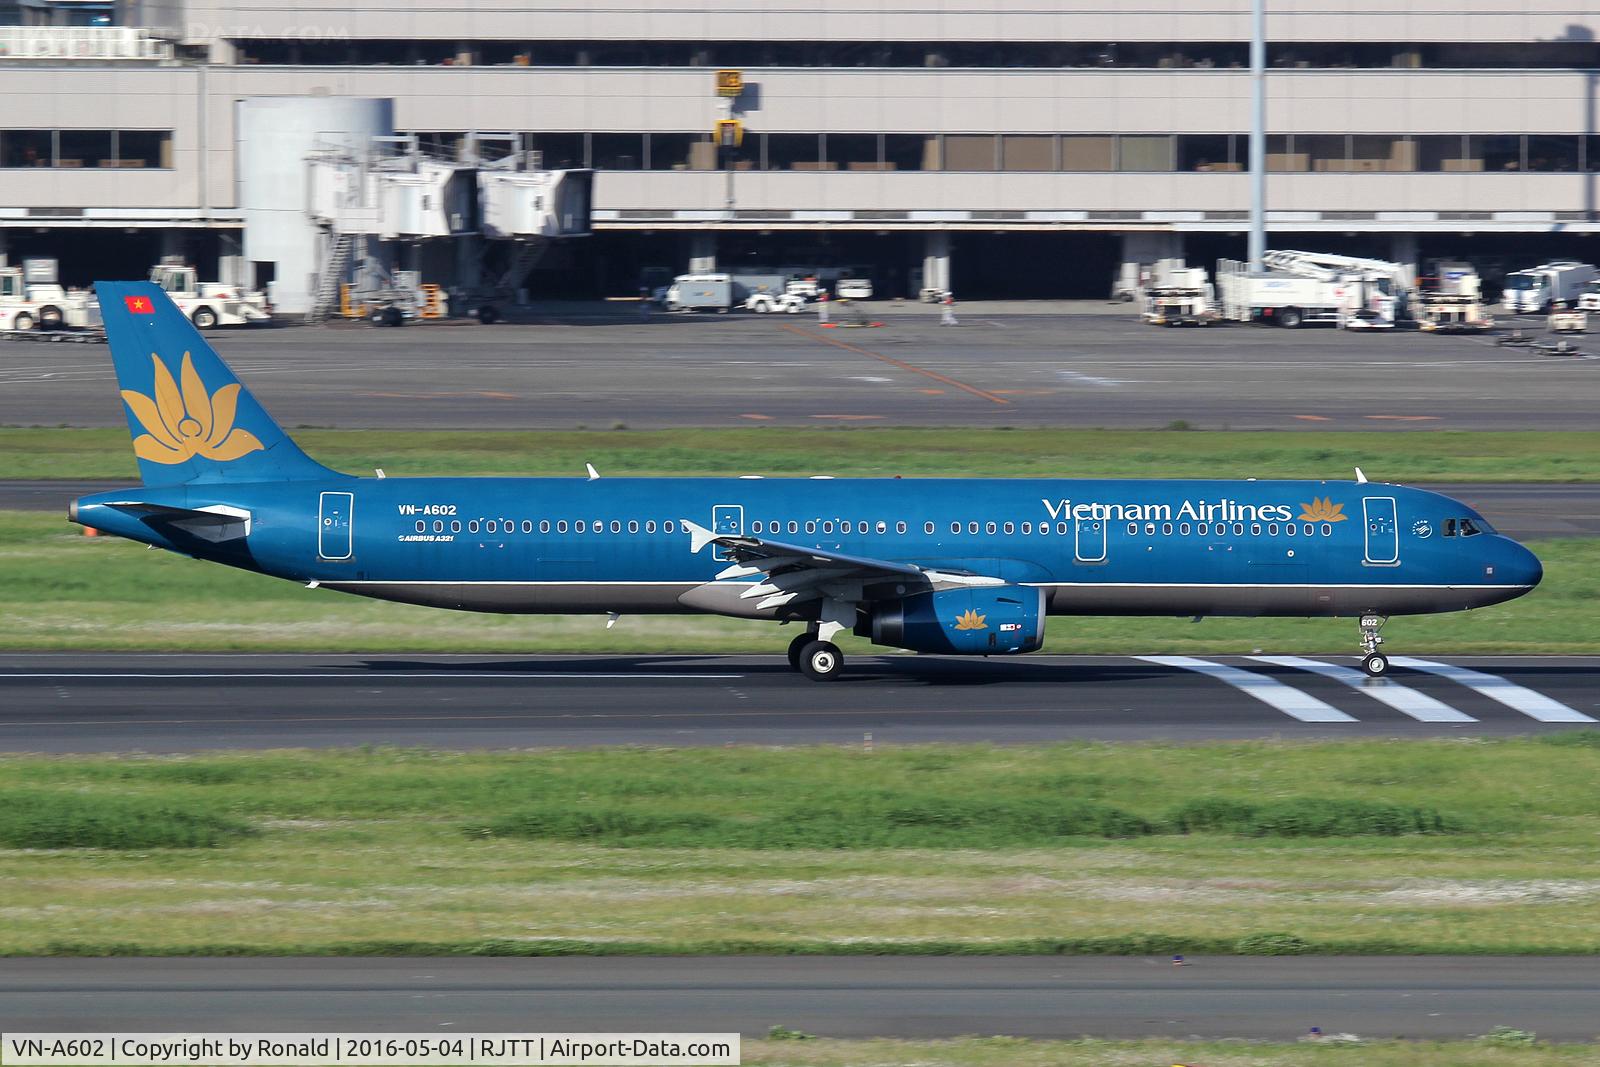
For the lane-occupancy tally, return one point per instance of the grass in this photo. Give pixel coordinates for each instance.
(943, 849)
(66, 591)
(1432, 456)
(1019, 1052)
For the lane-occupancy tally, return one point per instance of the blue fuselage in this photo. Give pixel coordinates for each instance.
(1301, 548)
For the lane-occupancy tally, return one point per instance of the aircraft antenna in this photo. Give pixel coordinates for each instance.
(593, 474)
(1361, 477)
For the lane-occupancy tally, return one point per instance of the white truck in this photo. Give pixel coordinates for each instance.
(208, 304)
(1178, 295)
(1450, 300)
(32, 299)
(1300, 287)
(1533, 290)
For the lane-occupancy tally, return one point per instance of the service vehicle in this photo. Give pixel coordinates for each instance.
(31, 298)
(1178, 295)
(853, 289)
(699, 292)
(1534, 290)
(208, 304)
(1295, 288)
(1450, 300)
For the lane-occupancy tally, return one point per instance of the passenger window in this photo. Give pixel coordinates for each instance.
(667, 526)
(1150, 529)
(1183, 528)
(616, 526)
(755, 527)
(544, 525)
(1044, 529)
(988, 527)
(972, 527)
(1061, 528)
(1469, 529)
(599, 526)
(1306, 529)
(1289, 528)
(1204, 529)
(1255, 529)
(1272, 529)
(1027, 528)
(1166, 528)
(508, 525)
(577, 527)
(1238, 529)
(649, 526)
(794, 527)
(955, 527)
(1133, 528)
(1011, 527)
(899, 527)
(455, 526)
(1327, 529)
(827, 527)
(927, 527)
(633, 525)
(494, 526)
(422, 526)
(811, 527)
(527, 526)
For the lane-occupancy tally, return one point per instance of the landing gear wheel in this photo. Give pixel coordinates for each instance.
(1376, 665)
(820, 661)
(203, 318)
(796, 647)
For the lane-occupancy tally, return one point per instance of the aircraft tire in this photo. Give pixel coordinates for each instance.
(203, 318)
(1376, 665)
(796, 647)
(820, 661)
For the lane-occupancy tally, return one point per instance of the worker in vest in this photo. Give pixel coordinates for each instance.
(947, 310)
(822, 308)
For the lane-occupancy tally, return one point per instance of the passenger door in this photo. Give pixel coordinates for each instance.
(1090, 540)
(333, 525)
(1383, 537)
(726, 519)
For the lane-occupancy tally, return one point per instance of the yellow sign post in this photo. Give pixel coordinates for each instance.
(730, 82)
(729, 133)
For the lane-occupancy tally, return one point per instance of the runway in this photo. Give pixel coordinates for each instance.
(1001, 369)
(75, 702)
(1523, 510)
(1041, 997)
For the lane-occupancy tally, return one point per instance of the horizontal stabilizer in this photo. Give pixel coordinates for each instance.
(215, 522)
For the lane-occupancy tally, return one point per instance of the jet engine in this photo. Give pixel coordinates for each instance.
(983, 621)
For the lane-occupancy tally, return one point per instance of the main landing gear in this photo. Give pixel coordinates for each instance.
(816, 659)
(1375, 663)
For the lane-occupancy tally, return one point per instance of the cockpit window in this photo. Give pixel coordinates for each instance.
(1469, 528)
(1449, 527)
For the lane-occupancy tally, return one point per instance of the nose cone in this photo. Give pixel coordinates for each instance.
(1518, 566)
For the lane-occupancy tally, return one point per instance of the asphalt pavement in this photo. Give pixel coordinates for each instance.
(1041, 997)
(88, 702)
(1000, 367)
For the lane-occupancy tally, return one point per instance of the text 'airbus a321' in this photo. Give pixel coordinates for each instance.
(948, 566)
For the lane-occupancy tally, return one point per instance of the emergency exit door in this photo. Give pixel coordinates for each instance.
(333, 525)
(726, 520)
(1383, 538)
(1090, 540)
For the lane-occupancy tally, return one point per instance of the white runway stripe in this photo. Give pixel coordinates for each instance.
(1286, 698)
(1401, 698)
(369, 676)
(1514, 696)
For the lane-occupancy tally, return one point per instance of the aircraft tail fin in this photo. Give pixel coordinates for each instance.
(191, 418)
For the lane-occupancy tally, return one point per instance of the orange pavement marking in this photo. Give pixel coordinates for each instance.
(1314, 418)
(931, 392)
(766, 418)
(902, 364)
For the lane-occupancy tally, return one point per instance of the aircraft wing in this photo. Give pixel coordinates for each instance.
(801, 572)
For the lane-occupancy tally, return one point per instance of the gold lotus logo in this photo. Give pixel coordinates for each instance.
(971, 620)
(1323, 510)
(181, 425)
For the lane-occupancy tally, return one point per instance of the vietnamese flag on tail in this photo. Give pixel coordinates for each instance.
(139, 305)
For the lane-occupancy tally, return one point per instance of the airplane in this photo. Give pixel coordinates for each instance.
(941, 565)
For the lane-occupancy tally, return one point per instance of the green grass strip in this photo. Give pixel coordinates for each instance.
(1417, 456)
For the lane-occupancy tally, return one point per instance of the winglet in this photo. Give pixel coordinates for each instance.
(1361, 477)
(593, 474)
(699, 536)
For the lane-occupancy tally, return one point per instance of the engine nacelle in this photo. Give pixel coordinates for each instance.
(984, 621)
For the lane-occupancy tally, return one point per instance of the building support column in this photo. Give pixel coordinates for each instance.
(1404, 251)
(1141, 252)
(703, 252)
(230, 259)
(936, 261)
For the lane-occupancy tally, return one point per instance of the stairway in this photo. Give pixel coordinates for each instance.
(523, 260)
(332, 273)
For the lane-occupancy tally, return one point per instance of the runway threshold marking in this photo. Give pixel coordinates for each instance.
(1401, 698)
(1270, 691)
(1501, 690)
(902, 364)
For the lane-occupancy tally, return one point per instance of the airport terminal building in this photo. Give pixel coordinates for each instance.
(1023, 148)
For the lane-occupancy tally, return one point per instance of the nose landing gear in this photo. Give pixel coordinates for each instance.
(1375, 663)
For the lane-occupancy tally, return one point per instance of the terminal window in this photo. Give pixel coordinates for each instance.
(80, 149)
